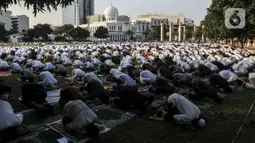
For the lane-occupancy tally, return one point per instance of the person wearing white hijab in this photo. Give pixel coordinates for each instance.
(127, 80)
(92, 76)
(48, 80)
(15, 68)
(77, 74)
(147, 77)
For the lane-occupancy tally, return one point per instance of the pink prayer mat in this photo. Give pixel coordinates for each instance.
(4, 73)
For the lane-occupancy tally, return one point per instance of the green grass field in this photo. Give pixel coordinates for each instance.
(224, 121)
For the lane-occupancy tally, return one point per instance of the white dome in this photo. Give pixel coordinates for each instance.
(111, 13)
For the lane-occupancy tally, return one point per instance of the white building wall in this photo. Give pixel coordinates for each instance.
(5, 18)
(22, 21)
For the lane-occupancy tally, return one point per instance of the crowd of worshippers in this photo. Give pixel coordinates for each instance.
(164, 68)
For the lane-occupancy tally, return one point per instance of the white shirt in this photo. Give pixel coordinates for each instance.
(109, 63)
(211, 66)
(115, 73)
(7, 116)
(187, 110)
(90, 76)
(48, 78)
(228, 75)
(77, 63)
(127, 80)
(49, 66)
(147, 76)
(78, 73)
(38, 64)
(4, 64)
(80, 113)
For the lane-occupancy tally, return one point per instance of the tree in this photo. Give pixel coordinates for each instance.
(101, 33)
(37, 6)
(41, 31)
(63, 29)
(29, 35)
(215, 20)
(3, 33)
(189, 32)
(79, 33)
(146, 34)
(60, 38)
(130, 34)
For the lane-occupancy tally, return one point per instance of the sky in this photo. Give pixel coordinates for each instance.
(194, 9)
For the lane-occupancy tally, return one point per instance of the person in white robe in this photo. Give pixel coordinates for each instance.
(127, 80)
(15, 68)
(229, 75)
(115, 73)
(77, 74)
(37, 66)
(77, 64)
(49, 67)
(181, 110)
(251, 83)
(48, 80)
(92, 76)
(4, 66)
(211, 66)
(147, 77)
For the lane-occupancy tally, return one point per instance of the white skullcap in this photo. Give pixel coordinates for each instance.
(201, 123)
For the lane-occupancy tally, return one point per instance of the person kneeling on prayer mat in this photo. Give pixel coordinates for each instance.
(37, 66)
(231, 77)
(202, 89)
(10, 122)
(106, 66)
(60, 70)
(181, 110)
(182, 79)
(49, 67)
(126, 80)
(80, 118)
(48, 81)
(129, 98)
(219, 83)
(4, 66)
(69, 93)
(94, 88)
(147, 77)
(27, 75)
(203, 71)
(15, 68)
(251, 83)
(77, 74)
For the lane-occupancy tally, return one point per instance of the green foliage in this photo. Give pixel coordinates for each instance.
(214, 21)
(41, 31)
(130, 34)
(3, 33)
(29, 35)
(63, 29)
(154, 34)
(189, 32)
(37, 5)
(60, 39)
(79, 33)
(146, 34)
(101, 33)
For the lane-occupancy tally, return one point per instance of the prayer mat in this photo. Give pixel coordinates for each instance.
(33, 122)
(5, 73)
(17, 105)
(43, 135)
(75, 137)
(203, 104)
(110, 117)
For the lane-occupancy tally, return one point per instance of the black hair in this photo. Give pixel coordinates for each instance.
(92, 130)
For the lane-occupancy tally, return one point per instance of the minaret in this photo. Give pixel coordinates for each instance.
(77, 14)
(161, 32)
(170, 31)
(180, 32)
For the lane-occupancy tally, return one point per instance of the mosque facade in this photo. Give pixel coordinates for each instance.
(118, 25)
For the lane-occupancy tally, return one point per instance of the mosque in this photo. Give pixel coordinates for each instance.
(118, 25)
